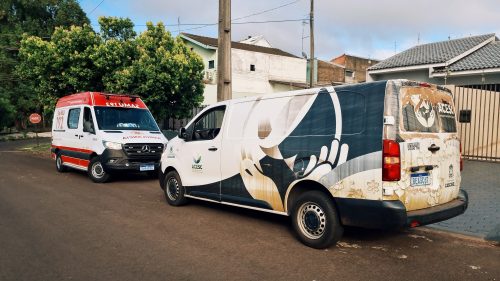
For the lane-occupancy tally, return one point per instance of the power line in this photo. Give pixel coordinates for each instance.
(246, 22)
(247, 16)
(269, 10)
(96, 7)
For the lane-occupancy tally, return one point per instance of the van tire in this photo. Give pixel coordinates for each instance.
(174, 190)
(315, 220)
(59, 164)
(96, 171)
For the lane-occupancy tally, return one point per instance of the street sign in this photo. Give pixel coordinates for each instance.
(35, 118)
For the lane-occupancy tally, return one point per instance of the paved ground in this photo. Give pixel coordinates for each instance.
(62, 226)
(482, 219)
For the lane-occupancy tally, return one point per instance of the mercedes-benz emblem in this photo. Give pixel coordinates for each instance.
(145, 148)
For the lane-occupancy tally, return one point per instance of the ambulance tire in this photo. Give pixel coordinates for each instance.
(96, 171)
(174, 190)
(59, 164)
(315, 220)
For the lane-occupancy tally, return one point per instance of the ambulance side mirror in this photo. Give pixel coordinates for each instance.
(182, 133)
(88, 127)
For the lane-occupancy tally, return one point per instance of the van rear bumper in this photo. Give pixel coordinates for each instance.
(392, 214)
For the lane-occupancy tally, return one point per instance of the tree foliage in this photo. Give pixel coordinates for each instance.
(153, 65)
(38, 18)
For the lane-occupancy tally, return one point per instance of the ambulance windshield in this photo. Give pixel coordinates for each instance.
(118, 118)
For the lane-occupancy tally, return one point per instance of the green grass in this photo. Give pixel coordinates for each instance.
(33, 148)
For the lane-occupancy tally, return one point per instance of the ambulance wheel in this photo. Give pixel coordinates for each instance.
(315, 220)
(59, 164)
(174, 190)
(96, 171)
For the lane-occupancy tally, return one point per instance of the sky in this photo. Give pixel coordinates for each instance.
(371, 29)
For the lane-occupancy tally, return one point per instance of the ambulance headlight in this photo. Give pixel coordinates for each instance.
(112, 145)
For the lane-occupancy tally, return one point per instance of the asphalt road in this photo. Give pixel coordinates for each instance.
(64, 227)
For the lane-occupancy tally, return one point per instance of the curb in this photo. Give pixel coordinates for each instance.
(457, 234)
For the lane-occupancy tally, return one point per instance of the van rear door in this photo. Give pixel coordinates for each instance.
(430, 148)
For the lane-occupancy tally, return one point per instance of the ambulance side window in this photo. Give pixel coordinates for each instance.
(88, 121)
(73, 118)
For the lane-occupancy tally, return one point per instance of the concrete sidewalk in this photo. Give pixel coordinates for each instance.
(482, 219)
(27, 135)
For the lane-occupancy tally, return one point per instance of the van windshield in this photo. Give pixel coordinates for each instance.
(118, 118)
(427, 110)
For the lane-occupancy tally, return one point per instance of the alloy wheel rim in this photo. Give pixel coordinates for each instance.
(312, 220)
(97, 170)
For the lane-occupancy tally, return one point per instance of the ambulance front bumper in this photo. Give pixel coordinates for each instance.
(379, 214)
(117, 160)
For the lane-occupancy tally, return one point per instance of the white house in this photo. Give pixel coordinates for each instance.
(470, 67)
(256, 70)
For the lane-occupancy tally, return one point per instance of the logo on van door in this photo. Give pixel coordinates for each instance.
(197, 166)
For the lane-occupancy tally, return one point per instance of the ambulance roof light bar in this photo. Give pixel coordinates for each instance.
(132, 97)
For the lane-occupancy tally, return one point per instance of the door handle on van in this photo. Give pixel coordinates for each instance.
(433, 148)
(212, 148)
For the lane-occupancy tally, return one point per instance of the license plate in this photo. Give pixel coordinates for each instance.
(147, 167)
(420, 179)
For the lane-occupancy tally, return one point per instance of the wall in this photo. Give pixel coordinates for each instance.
(252, 83)
(328, 73)
(357, 65)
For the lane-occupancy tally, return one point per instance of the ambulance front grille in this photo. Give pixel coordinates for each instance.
(143, 150)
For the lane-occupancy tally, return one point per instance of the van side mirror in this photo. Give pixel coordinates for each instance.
(182, 133)
(88, 127)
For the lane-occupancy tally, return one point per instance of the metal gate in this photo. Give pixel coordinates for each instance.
(478, 112)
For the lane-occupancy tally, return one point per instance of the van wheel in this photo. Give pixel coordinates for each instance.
(96, 171)
(315, 220)
(59, 164)
(174, 190)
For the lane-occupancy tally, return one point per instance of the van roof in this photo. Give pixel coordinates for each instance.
(101, 99)
(350, 87)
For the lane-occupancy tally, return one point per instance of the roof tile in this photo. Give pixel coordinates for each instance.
(432, 53)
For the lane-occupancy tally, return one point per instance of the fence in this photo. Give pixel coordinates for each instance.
(175, 124)
(478, 110)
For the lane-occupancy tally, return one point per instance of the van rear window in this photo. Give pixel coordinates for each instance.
(427, 110)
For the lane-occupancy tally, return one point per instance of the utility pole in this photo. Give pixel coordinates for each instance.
(311, 50)
(224, 86)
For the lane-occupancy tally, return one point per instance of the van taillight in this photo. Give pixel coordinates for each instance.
(461, 159)
(391, 165)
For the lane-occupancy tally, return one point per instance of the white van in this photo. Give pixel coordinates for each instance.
(101, 133)
(376, 155)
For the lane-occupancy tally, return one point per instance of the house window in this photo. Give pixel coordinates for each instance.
(465, 116)
(252, 67)
(349, 73)
(211, 64)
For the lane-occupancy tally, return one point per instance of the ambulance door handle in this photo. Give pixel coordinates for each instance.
(213, 149)
(79, 136)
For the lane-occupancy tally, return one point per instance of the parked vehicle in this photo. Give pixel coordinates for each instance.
(375, 155)
(103, 133)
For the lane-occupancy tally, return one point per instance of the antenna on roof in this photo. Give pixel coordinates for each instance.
(418, 39)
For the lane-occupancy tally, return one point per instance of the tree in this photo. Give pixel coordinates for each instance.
(153, 65)
(39, 18)
(165, 73)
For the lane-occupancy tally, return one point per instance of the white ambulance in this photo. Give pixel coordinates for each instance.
(103, 133)
(377, 155)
